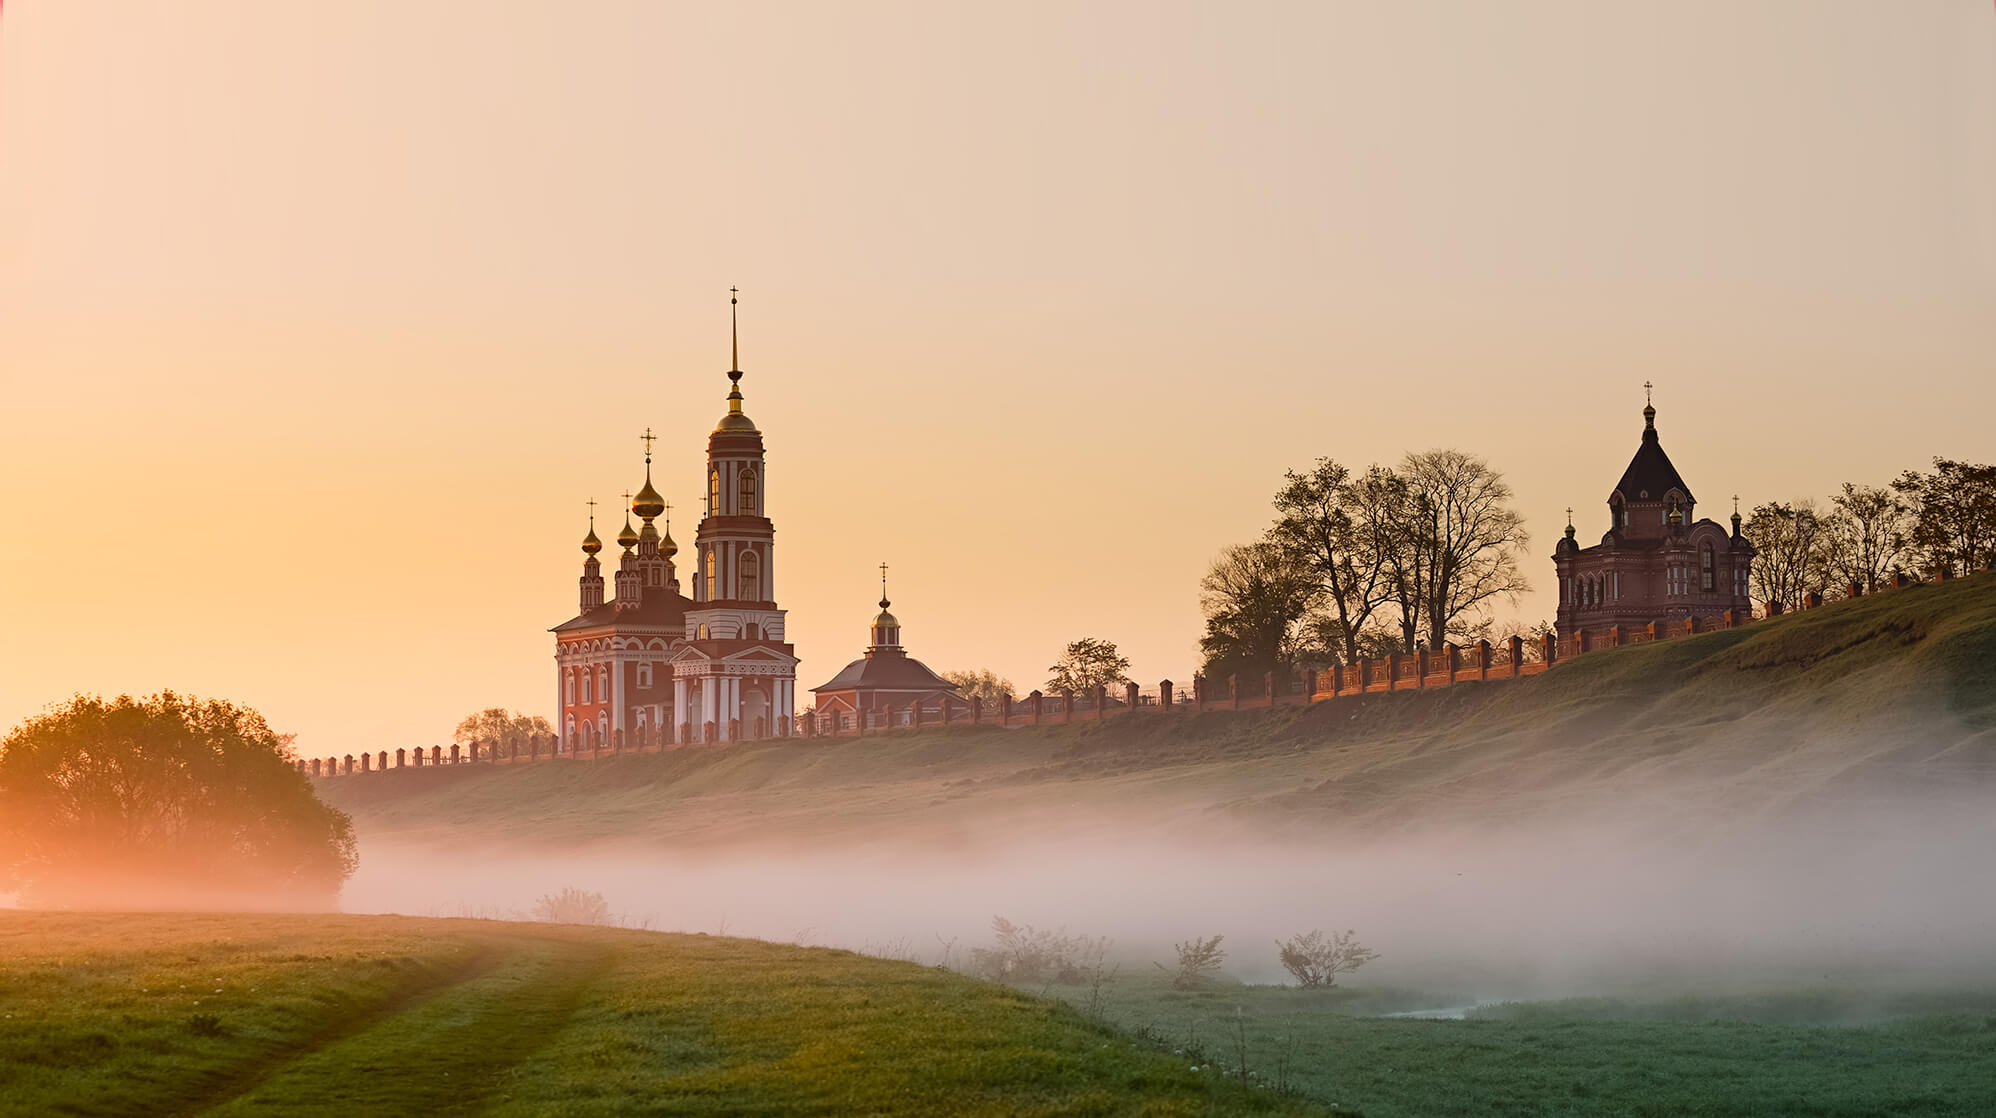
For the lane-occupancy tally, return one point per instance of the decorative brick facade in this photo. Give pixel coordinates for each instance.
(1655, 563)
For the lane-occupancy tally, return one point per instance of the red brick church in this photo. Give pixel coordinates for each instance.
(1655, 562)
(652, 665)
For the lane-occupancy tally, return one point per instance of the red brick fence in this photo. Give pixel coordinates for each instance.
(1420, 670)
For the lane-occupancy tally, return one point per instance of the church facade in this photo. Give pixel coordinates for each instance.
(1655, 562)
(885, 681)
(652, 665)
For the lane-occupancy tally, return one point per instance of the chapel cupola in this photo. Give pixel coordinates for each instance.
(885, 633)
(1651, 499)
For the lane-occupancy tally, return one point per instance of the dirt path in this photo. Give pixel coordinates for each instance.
(448, 1050)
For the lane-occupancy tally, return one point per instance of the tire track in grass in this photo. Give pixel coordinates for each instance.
(447, 1054)
(481, 959)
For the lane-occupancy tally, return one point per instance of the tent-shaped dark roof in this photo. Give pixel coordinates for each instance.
(660, 609)
(886, 671)
(1650, 474)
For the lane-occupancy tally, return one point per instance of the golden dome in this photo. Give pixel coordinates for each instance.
(628, 538)
(668, 548)
(885, 620)
(590, 544)
(648, 503)
(735, 423)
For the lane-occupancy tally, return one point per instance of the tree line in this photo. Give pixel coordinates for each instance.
(1360, 563)
(1922, 523)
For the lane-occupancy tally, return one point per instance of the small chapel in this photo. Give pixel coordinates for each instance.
(1655, 562)
(652, 665)
(885, 682)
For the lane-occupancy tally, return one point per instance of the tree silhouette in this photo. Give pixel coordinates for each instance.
(166, 800)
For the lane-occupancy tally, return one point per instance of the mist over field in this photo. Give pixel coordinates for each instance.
(1871, 892)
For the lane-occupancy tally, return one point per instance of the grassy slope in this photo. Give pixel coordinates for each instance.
(166, 1014)
(1891, 694)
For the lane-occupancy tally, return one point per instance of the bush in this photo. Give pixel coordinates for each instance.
(1028, 954)
(573, 906)
(1198, 963)
(1316, 960)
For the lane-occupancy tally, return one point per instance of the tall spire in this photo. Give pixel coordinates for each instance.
(734, 335)
(1649, 411)
(735, 422)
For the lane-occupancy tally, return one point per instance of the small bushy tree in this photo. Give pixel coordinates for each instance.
(1198, 962)
(1316, 960)
(985, 684)
(1086, 663)
(1026, 954)
(573, 906)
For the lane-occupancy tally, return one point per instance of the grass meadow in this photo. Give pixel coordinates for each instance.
(147, 1015)
(1763, 1055)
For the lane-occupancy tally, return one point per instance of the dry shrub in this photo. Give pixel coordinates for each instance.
(1316, 960)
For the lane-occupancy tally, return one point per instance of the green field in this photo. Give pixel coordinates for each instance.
(342, 1015)
(1740, 1055)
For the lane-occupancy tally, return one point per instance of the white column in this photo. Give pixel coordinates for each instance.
(707, 698)
(616, 691)
(679, 711)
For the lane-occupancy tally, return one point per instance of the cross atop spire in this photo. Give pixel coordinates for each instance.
(1647, 386)
(883, 586)
(648, 438)
(591, 502)
(734, 336)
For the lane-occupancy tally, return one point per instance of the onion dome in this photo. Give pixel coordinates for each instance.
(885, 620)
(628, 538)
(666, 547)
(648, 504)
(735, 423)
(590, 544)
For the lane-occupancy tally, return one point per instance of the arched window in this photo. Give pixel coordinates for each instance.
(703, 631)
(713, 575)
(748, 577)
(602, 685)
(644, 674)
(745, 492)
(1711, 568)
(602, 727)
(571, 687)
(587, 690)
(713, 493)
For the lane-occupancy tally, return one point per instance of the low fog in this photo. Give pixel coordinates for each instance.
(1859, 895)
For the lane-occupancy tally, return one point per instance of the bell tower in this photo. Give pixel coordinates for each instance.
(736, 658)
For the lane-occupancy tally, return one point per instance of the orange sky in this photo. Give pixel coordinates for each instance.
(319, 322)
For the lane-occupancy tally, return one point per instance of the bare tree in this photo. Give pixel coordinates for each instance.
(1864, 537)
(1787, 551)
(1316, 959)
(1337, 525)
(1253, 596)
(1954, 514)
(1198, 962)
(1465, 539)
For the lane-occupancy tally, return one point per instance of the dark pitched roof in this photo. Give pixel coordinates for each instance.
(1650, 474)
(893, 671)
(660, 609)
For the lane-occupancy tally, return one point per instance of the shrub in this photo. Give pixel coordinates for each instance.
(205, 1024)
(1198, 963)
(1028, 954)
(1316, 960)
(573, 906)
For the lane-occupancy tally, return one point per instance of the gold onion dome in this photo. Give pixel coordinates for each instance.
(667, 547)
(735, 422)
(590, 544)
(648, 503)
(885, 619)
(628, 538)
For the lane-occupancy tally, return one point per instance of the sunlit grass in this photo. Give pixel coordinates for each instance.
(143, 1015)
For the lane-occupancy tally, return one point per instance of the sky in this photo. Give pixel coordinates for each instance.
(319, 323)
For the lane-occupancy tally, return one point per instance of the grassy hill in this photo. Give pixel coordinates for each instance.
(1891, 697)
(151, 1015)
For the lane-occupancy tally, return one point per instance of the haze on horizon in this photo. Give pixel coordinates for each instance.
(317, 328)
